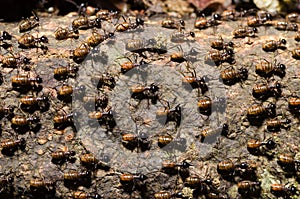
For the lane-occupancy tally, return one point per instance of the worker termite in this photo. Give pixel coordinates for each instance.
(283, 190)
(85, 195)
(209, 135)
(249, 188)
(257, 113)
(170, 114)
(145, 92)
(288, 162)
(216, 57)
(60, 156)
(272, 45)
(294, 104)
(286, 26)
(25, 82)
(203, 22)
(265, 68)
(96, 38)
(9, 146)
(63, 72)
(65, 33)
(244, 31)
(61, 121)
(172, 23)
(41, 184)
(29, 41)
(132, 141)
(12, 61)
(266, 90)
(232, 76)
(196, 82)
(23, 123)
(104, 80)
(31, 103)
(125, 25)
(274, 124)
(80, 53)
(29, 23)
(258, 147)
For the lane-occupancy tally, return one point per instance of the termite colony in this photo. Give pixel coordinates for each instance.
(53, 106)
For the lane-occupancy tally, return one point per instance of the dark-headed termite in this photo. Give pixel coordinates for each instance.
(80, 53)
(267, 69)
(126, 66)
(164, 140)
(272, 45)
(172, 23)
(94, 102)
(167, 195)
(196, 182)
(5, 36)
(64, 72)
(203, 22)
(60, 156)
(83, 22)
(283, 190)
(11, 61)
(285, 26)
(106, 15)
(145, 92)
(257, 146)
(171, 114)
(249, 187)
(220, 44)
(294, 104)
(288, 162)
(25, 80)
(232, 76)
(230, 14)
(274, 124)
(265, 90)
(29, 23)
(125, 25)
(104, 80)
(76, 175)
(209, 133)
(296, 53)
(10, 145)
(85, 195)
(205, 105)
(258, 112)
(63, 120)
(131, 141)
(103, 117)
(65, 33)
(262, 18)
(196, 82)
(292, 17)
(170, 165)
(244, 31)
(22, 121)
(30, 100)
(6, 111)
(29, 41)
(37, 184)
(218, 57)
(127, 178)
(96, 38)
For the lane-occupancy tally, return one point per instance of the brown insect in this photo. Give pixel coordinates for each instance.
(208, 133)
(266, 69)
(195, 181)
(83, 22)
(248, 187)
(121, 27)
(164, 140)
(230, 14)
(30, 100)
(21, 121)
(297, 36)
(29, 23)
(232, 76)
(261, 18)
(218, 57)
(96, 38)
(126, 178)
(220, 44)
(65, 33)
(22, 80)
(286, 26)
(167, 195)
(265, 90)
(104, 81)
(11, 145)
(272, 45)
(282, 190)
(170, 165)
(275, 124)
(95, 101)
(36, 184)
(294, 104)
(171, 114)
(258, 112)
(288, 162)
(64, 72)
(106, 15)
(172, 23)
(11, 61)
(203, 22)
(76, 175)
(80, 53)
(255, 146)
(85, 195)
(62, 155)
(244, 31)
(292, 17)
(296, 53)
(29, 41)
